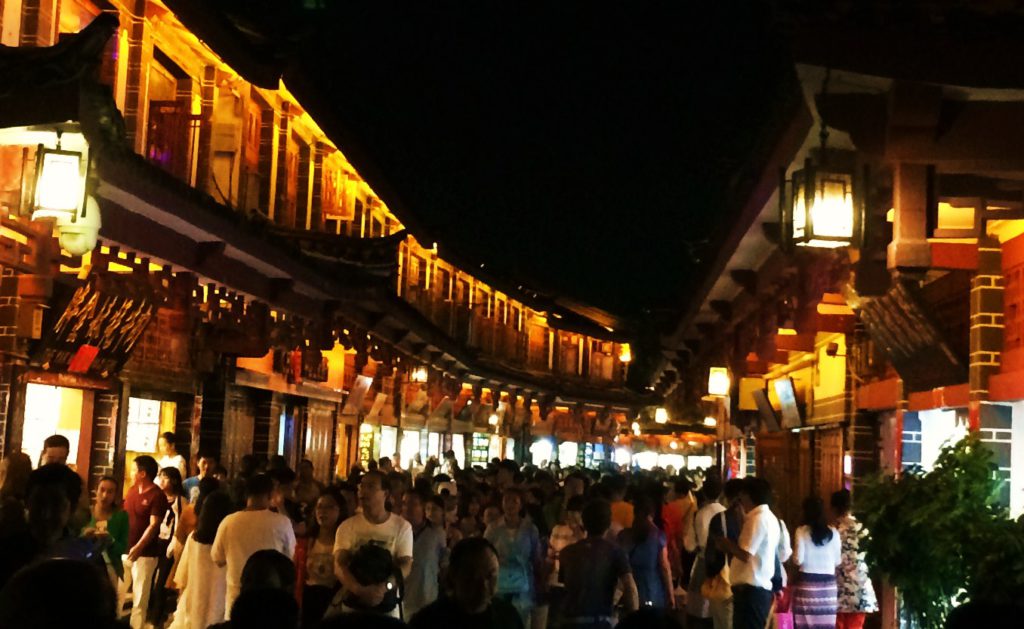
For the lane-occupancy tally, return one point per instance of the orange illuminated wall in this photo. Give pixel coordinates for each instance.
(1013, 305)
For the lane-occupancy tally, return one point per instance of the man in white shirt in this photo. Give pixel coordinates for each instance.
(753, 558)
(695, 539)
(374, 525)
(243, 533)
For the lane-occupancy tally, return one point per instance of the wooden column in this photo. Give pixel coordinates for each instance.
(39, 22)
(316, 214)
(136, 102)
(909, 247)
(204, 165)
(267, 164)
(304, 198)
(283, 212)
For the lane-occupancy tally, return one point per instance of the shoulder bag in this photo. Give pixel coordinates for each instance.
(719, 587)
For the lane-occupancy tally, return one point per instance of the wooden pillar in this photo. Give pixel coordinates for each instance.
(909, 247)
(283, 212)
(986, 344)
(204, 165)
(140, 51)
(40, 20)
(316, 207)
(267, 164)
(304, 198)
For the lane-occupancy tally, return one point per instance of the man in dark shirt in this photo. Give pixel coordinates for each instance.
(146, 505)
(469, 602)
(590, 570)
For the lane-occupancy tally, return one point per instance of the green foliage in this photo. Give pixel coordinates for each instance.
(942, 538)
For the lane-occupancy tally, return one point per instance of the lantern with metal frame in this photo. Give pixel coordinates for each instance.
(821, 206)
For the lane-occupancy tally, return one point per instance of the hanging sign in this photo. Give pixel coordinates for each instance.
(98, 329)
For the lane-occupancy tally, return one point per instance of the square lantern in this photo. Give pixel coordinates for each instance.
(819, 207)
(718, 381)
(661, 415)
(59, 184)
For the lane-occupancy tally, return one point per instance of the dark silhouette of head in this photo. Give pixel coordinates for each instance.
(58, 593)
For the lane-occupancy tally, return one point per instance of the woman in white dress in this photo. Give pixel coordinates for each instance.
(202, 582)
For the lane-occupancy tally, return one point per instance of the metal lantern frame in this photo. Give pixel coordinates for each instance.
(66, 215)
(808, 186)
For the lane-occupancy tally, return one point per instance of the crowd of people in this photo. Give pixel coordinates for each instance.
(500, 546)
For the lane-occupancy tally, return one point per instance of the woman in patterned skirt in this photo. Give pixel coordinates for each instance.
(817, 554)
(856, 593)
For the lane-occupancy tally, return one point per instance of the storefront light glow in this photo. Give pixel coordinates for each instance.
(418, 375)
(661, 415)
(493, 419)
(674, 445)
(622, 456)
(636, 428)
(625, 353)
(710, 422)
(718, 381)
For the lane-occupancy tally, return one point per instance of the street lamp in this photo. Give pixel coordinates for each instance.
(718, 381)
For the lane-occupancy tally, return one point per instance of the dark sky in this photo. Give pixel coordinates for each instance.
(583, 148)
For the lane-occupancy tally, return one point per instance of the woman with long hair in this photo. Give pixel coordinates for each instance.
(647, 549)
(108, 524)
(470, 516)
(320, 583)
(178, 522)
(202, 582)
(817, 555)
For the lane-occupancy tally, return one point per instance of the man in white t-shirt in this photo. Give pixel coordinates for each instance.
(374, 525)
(753, 558)
(243, 533)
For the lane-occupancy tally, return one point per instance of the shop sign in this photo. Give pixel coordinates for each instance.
(298, 366)
(99, 327)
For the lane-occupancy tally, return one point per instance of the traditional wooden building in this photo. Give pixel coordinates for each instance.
(863, 331)
(248, 289)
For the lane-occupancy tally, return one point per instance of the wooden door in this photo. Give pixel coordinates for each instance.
(829, 452)
(320, 438)
(239, 413)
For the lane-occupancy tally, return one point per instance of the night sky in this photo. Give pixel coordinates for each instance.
(580, 148)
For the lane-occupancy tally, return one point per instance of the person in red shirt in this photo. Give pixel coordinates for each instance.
(146, 505)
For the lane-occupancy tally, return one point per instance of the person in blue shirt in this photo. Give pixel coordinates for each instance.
(519, 554)
(207, 463)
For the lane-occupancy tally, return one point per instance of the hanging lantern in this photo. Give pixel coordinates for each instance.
(819, 207)
(718, 381)
(60, 183)
(661, 415)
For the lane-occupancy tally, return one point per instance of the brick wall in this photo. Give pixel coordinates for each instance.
(12, 361)
(105, 413)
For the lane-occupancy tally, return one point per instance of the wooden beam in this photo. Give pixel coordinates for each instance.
(722, 308)
(745, 279)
